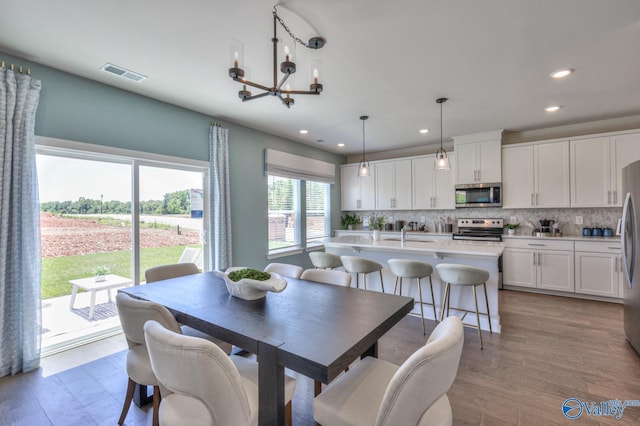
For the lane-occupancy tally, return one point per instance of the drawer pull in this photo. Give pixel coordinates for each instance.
(537, 245)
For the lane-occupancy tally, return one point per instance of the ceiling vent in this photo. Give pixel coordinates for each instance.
(122, 72)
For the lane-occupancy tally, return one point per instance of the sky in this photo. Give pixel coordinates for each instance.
(62, 179)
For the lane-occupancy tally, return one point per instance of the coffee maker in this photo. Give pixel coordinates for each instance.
(546, 225)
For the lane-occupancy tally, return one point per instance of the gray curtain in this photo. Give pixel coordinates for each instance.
(219, 198)
(20, 272)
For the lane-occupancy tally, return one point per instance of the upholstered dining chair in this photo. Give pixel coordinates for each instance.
(285, 269)
(376, 392)
(208, 387)
(175, 270)
(327, 276)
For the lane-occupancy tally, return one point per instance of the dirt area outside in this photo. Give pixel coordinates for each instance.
(63, 236)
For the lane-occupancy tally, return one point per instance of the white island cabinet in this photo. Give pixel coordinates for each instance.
(484, 255)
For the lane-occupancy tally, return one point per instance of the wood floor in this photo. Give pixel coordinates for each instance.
(550, 349)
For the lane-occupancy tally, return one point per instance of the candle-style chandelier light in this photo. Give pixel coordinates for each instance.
(287, 68)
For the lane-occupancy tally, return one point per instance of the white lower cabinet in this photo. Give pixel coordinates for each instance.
(598, 268)
(539, 263)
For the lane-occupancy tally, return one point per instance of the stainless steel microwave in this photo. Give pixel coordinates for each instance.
(479, 195)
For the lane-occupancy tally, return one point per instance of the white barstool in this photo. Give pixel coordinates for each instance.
(464, 275)
(360, 265)
(407, 268)
(323, 260)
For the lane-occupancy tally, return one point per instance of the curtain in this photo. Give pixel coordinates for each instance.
(219, 199)
(20, 255)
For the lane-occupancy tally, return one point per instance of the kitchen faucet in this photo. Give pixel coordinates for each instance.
(403, 235)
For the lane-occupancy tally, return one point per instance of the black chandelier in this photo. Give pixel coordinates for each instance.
(287, 67)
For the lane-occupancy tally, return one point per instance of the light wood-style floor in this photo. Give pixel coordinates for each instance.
(550, 349)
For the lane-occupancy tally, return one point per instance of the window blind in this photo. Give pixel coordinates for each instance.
(283, 164)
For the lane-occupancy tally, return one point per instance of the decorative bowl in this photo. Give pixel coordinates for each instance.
(249, 289)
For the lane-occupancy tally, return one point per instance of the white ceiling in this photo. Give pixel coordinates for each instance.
(388, 60)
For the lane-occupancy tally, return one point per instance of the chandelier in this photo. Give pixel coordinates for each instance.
(287, 67)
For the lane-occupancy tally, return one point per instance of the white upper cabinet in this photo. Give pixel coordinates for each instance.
(596, 169)
(536, 175)
(358, 193)
(393, 187)
(478, 158)
(433, 189)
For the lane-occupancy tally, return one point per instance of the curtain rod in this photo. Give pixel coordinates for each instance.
(12, 67)
(213, 123)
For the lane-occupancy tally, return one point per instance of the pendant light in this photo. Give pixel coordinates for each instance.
(363, 167)
(442, 160)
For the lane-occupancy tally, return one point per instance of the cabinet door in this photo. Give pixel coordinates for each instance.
(517, 186)
(445, 186)
(625, 149)
(597, 274)
(555, 270)
(518, 267)
(552, 175)
(423, 182)
(384, 188)
(489, 163)
(350, 187)
(368, 190)
(402, 185)
(590, 172)
(466, 163)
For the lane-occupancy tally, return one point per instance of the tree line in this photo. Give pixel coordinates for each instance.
(178, 202)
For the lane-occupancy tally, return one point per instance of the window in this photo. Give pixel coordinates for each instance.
(318, 214)
(298, 193)
(284, 196)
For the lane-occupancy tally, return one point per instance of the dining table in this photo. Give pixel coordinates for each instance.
(312, 328)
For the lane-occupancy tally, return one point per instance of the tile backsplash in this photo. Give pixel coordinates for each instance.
(566, 218)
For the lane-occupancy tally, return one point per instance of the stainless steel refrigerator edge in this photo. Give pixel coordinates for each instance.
(630, 255)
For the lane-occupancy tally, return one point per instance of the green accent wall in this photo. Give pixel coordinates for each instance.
(82, 110)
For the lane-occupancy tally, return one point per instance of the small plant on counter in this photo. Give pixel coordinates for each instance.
(511, 227)
(376, 222)
(348, 221)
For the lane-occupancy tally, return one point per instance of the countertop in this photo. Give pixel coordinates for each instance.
(442, 246)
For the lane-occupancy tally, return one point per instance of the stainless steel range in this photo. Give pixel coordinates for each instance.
(479, 229)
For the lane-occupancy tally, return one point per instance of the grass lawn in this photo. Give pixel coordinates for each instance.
(57, 271)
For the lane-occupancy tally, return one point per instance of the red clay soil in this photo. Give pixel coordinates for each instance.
(71, 237)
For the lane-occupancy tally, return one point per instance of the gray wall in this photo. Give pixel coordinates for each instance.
(82, 110)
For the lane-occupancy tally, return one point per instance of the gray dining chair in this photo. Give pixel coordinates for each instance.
(376, 392)
(204, 385)
(285, 269)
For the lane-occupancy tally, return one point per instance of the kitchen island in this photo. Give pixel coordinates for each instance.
(480, 254)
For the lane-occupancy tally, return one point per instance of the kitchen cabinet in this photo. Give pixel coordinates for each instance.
(599, 269)
(539, 264)
(596, 169)
(536, 175)
(393, 185)
(433, 189)
(357, 193)
(478, 160)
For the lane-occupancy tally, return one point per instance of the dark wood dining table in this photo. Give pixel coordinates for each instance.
(314, 329)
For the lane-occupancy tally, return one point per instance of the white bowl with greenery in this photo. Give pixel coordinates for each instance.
(251, 284)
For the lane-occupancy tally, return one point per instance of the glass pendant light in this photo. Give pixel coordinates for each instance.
(442, 160)
(363, 167)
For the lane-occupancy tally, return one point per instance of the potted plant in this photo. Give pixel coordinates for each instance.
(348, 221)
(511, 228)
(376, 224)
(101, 273)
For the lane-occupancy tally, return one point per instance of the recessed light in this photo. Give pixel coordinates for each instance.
(340, 145)
(320, 140)
(553, 108)
(562, 73)
(304, 132)
(423, 131)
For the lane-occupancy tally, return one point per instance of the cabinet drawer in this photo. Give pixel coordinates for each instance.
(539, 244)
(599, 246)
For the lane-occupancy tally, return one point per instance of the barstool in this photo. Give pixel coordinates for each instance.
(464, 275)
(323, 260)
(360, 265)
(406, 268)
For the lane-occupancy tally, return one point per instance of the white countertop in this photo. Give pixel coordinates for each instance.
(467, 248)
